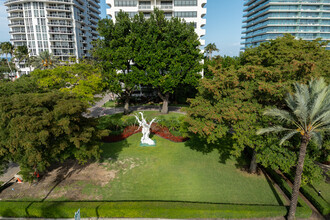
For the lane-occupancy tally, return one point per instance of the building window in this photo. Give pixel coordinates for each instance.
(130, 3)
(185, 2)
(185, 14)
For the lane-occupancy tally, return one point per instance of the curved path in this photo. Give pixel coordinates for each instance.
(97, 111)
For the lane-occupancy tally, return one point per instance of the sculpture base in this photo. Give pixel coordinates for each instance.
(147, 145)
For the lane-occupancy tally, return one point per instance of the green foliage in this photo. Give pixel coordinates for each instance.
(24, 84)
(83, 80)
(231, 100)
(131, 209)
(39, 129)
(155, 51)
(116, 52)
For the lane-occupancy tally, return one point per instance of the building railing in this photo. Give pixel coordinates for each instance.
(16, 23)
(58, 8)
(60, 24)
(14, 8)
(61, 46)
(61, 32)
(66, 1)
(59, 16)
(60, 39)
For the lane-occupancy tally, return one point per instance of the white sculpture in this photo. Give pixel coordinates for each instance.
(145, 129)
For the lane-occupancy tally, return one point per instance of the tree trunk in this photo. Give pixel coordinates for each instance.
(165, 99)
(253, 164)
(126, 106)
(297, 178)
(9, 64)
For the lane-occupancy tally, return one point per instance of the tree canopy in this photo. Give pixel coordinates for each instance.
(230, 104)
(39, 129)
(156, 51)
(83, 80)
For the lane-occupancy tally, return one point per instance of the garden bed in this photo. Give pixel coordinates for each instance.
(155, 129)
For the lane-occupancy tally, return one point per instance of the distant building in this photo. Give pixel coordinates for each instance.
(268, 19)
(190, 10)
(66, 28)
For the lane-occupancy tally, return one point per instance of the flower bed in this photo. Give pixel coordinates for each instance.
(155, 129)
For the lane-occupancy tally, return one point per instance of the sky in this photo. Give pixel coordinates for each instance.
(223, 24)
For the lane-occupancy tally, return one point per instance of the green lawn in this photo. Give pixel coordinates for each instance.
(173, 172)
(325, 190)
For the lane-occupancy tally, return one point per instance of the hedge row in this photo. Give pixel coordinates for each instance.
(303, 210)
(319, 203)
(138, 209)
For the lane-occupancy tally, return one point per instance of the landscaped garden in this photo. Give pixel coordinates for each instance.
(168, 172)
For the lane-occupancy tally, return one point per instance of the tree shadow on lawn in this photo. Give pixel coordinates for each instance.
(223, 146)
(111, 151)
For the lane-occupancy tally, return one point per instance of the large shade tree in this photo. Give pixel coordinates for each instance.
(38, 129)
(116, 53)
(307, 115)
(169, 53)
(230, 104)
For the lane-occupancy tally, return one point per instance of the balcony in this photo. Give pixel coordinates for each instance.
(59, 24)
(61, 46)
(14, 8)
(58, 8)
(165, 7)
(59, 16)
(21, 31)
(18, 39)
(16, 24)
(60, 32)
(15, 16)
(60, 39)
(145, 8)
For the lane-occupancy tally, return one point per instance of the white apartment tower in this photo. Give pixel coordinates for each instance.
(66, 28)
(191, 11)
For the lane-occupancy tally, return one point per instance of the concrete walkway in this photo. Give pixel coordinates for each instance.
(97, 111)
(10, 172)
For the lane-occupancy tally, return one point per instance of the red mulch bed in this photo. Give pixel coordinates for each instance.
(155, 129)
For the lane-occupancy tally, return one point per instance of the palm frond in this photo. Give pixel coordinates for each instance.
(317, 138)
(302, 99)
(288, 136)
(291, 102)
(281, 114)
(274, 129)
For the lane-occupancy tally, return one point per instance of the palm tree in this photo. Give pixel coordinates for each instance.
(21, 53)
(7, 48)
(45, 60)
(210, 48)
(308, 116)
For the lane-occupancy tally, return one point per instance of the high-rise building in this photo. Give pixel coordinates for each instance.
(191, 11)
(268, 19)
(63, 27)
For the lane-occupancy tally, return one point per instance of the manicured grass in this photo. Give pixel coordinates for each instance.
(325, 190)
(137, 210)
(173, 172)
(110, 104)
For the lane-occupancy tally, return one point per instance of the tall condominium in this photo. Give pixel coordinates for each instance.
(192, 11)
(269, 19)
(63, 27)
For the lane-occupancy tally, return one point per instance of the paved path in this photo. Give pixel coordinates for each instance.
(97, 111)
(10, 172)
